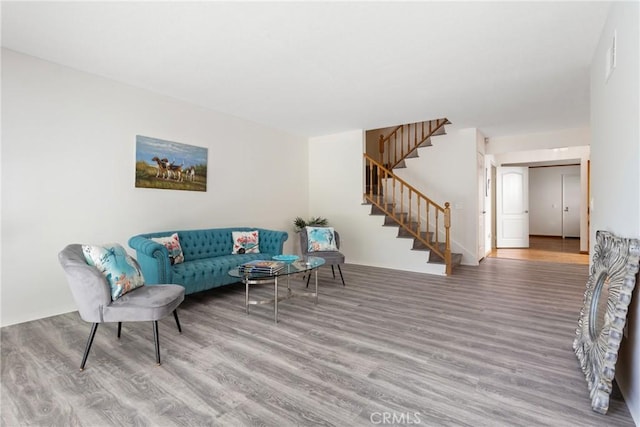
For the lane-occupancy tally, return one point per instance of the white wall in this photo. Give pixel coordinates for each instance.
(545, 199)
(615, 168)
(335, 180)
(539, 140)
(489, 224)
(483, 198)
(68, 147)
(447, 172)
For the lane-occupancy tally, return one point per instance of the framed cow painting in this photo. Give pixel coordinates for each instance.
(170, 165)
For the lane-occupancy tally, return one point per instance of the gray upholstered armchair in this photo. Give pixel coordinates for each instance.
(92, 295)
(333, 258)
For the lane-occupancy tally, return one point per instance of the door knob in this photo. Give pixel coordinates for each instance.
(526, 211)
(566, 209)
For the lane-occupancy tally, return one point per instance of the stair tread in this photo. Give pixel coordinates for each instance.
(456, 259)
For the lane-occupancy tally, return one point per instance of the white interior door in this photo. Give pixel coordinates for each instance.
(481, 208)
(570, 205)
(512, 216)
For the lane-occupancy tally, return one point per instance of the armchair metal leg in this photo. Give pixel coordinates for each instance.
(334, 275)
(175, 315)
(92, 334)
(119, 329)
(156, 340)
(341, 277)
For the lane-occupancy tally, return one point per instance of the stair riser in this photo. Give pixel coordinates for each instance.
(434, 258)
(375, 210)
(418, 245)
(406, 233)
(390, 221)
(426, 143)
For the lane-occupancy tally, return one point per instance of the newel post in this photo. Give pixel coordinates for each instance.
(447, 250)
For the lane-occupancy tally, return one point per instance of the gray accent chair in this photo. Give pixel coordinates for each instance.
(332, 258)
(92, 295)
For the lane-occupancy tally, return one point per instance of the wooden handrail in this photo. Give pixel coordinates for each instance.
(405, 139)
(410, 209)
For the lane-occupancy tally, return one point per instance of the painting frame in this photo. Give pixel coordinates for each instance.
(169, 165)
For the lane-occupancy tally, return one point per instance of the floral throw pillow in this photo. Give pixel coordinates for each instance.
(172, 243)
(246, 242)
(321, 239)
(121, 270)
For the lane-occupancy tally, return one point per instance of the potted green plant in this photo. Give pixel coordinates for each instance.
(300, 223)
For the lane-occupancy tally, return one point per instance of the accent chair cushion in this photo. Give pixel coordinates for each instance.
(246, 242)
(172, 243)
(121, 270)
(148, 303)
(321, 239)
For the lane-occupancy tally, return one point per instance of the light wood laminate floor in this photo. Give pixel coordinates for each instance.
(543, 248)
(488, 346)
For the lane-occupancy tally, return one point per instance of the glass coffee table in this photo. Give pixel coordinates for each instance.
(303, 265)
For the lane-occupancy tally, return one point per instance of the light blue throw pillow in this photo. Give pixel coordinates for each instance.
(122, 271)
(321, 239)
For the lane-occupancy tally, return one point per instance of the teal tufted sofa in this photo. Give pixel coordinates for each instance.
(207, 256)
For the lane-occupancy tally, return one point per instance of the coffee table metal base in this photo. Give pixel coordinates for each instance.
(274, 279)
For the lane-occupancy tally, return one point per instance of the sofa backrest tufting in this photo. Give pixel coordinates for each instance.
(199, 244)
(214, 242)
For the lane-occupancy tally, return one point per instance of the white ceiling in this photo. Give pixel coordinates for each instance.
(315, 68)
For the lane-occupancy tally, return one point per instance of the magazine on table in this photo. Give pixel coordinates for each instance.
(261, 266)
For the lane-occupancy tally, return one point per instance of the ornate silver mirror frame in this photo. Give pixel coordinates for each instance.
(604, 313)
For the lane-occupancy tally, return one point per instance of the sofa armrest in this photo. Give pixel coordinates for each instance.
(272, 241)
(153, 258)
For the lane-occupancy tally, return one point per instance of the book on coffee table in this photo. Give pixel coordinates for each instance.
(261, 266)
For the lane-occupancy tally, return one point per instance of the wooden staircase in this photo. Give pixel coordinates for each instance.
(403, 141)
(416, 216)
